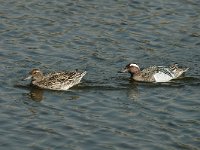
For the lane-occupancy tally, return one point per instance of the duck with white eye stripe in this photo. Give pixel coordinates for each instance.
(154, 73)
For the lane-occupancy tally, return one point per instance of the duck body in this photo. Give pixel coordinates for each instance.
(55, 80)
(155, 73)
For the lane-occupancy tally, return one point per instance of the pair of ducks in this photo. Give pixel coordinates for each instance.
(65, 80)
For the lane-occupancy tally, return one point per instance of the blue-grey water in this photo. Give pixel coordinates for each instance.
(107, 110)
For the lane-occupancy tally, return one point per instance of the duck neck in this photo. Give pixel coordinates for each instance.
(137, 73)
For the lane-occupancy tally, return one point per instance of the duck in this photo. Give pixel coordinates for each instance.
(62, 80)
(154, 73)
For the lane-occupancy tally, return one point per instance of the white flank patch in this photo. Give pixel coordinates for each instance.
(162, 77)
(134, 65)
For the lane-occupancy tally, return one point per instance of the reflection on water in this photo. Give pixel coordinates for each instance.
(36, 94)
(133, 92)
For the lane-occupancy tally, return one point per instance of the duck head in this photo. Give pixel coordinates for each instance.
(132, 69)
(35, 75)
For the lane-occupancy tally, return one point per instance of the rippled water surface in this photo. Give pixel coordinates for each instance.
(107, 110)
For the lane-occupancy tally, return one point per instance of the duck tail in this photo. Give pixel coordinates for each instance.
(83, 73)
(185, 69)
(181, 71)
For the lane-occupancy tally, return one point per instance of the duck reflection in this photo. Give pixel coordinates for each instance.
(133, 92)
(36, 94)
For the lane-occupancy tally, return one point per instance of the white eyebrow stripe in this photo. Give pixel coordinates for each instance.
(134, 65)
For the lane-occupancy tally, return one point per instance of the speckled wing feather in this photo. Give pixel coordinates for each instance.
(147, 72)
(165, 70)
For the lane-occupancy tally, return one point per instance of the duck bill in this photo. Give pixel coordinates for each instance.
(123, 70)
(28, 78)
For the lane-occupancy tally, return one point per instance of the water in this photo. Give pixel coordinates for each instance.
(107, 110)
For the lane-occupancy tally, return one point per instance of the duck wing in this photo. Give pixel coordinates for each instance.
(157, 74)
(163, 74)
